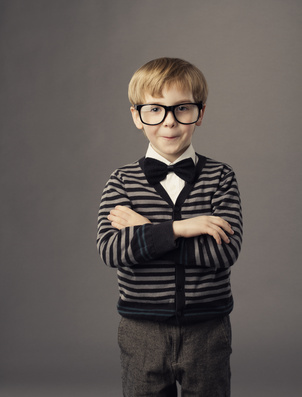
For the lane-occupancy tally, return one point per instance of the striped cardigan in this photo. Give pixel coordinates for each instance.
(159, 279)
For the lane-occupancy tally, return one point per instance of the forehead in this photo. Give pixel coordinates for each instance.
(170, 94)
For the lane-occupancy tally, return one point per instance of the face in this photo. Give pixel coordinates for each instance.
(170, 139)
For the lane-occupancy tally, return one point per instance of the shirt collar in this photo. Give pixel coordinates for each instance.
(189, 153)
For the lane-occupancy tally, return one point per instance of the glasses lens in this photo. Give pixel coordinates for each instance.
(152, 114)
(187, 113)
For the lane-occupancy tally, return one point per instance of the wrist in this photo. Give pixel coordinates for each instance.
(176, 229)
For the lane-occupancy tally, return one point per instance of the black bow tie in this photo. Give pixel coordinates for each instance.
(156, 170)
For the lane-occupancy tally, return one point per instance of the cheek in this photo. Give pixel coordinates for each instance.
(189, 133)
(149, 132)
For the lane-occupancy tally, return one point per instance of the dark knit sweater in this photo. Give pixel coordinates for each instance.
(160, 279)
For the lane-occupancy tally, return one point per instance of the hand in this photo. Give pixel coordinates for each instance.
(212, 225)
(122, 216)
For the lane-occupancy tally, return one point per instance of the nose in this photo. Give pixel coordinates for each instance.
(169, 120)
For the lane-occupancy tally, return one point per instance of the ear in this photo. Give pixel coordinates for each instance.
(136, 118)
(199, 121)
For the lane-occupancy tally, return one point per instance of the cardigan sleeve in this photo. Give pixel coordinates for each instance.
(203, 250)
(130, 245)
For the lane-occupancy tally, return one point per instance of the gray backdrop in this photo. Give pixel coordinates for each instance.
(66, 125)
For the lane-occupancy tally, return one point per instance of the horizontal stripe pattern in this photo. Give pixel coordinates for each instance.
(146, 257)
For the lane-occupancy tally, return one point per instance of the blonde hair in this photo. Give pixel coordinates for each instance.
(162, 73)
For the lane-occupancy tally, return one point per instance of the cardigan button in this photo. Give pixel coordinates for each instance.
(179, 313)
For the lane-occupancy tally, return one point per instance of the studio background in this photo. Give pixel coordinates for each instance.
(66, 125)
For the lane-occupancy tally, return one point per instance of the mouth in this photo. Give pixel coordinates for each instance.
(170, 138)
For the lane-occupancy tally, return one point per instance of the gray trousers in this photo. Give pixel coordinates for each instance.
(156, 355)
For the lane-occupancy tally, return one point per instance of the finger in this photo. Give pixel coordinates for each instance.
(117, 225)
(116, 219)
(223, 236)
(219, 235)
(124, 212)
(124, 209)
(130, 216)
(223, 224)
(119, 214)
(214, 233)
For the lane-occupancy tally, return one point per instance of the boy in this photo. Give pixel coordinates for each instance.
(171, 224)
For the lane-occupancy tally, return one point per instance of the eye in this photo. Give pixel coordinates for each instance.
(155, 109)
(183, 108)
(152, 109)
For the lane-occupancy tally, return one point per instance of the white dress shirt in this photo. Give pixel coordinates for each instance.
(172, 183)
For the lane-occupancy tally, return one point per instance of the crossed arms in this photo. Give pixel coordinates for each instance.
(127, 236)
(121, 217)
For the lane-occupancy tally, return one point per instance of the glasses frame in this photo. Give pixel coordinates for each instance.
(169, 109)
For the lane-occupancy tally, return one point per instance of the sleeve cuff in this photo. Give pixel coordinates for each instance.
(163, 237)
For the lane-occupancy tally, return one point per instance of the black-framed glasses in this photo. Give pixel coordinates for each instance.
(184, 113)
